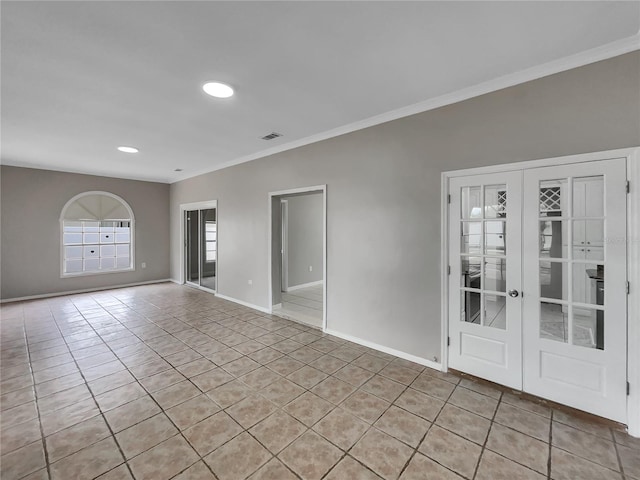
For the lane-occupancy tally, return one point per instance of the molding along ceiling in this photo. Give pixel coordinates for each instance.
(80, 79)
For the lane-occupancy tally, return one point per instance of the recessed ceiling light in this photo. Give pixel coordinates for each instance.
(128, 149)
(217, 89)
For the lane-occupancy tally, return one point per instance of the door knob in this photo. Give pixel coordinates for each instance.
(514, 293)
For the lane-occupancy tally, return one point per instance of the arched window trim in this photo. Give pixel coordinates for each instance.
(132, 264)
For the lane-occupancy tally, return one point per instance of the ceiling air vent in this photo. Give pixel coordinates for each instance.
(271, 136)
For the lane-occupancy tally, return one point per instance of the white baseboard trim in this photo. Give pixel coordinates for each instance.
(177, 282)
(305, 285)
(243, 303)
(84, 290)
(390, 351)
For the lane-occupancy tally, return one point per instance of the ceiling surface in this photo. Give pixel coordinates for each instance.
(81, 78)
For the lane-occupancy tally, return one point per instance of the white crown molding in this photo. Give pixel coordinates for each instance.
(597, 54)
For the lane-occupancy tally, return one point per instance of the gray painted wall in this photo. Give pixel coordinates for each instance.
(305, 238)
(383, 194)
(32, 200)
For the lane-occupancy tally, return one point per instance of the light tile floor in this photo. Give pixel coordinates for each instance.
(162, 381)
(304, 305)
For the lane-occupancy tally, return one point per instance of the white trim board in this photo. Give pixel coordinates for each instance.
(293, 191)
(597, 54)
(243, 303)
(84, 290)
(633, 246)
(382, 348)
(305, 285)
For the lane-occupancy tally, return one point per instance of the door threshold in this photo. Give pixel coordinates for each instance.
(579, 414)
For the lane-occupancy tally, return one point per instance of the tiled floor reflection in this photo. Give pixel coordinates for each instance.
(161, 382)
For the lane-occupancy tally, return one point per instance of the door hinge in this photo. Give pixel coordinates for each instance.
(628, 288)
(448, 269)
(628, 188)
(449, 198)
(628, 388)
(448, 341)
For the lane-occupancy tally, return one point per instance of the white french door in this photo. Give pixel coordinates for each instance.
(485, 230)
(575, 303)
(537, 288)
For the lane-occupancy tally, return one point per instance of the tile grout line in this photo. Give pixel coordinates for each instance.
(484, 444)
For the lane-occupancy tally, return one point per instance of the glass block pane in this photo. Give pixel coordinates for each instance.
(122, 237)
(553, 238)
(92, 227)
(73, 252)
(470, 303)
(588, 283)
(588, 196)
(470, 237)
(495, 274)
(470, 272)
(122, 250)
(495, 201)
(107, 250)
(91, 238)
(91, 251)
(107, 237)
(73, 266)
(495, 311)
(554, 280)
(553, 197)
(470, 202)
(107, 263)
(71, 238)
(554, 321)
(588, 328)
(495, 238)
(71, 226)
(123, 262)
(91, 264)
(122, 229)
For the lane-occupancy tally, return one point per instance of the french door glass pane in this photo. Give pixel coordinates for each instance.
(495, 201)
(586, 278)
(588, 328)
(470, 272)
(470, 238)
(470, 303)
(554, 280)
(553, 239)
(495, 311)
(554, 321)
(192, 246)
(495, 274)
(208, 246)
(588, 196)
(553, 197)
(471, 203)
(495, 238)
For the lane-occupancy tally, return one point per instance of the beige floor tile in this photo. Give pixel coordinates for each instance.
(251, 410)
(308, 408)
(131, 413)
(260, 378)
(240, 366)
(420, 404)
(333, 390)
(519, 447)
(365, 406)
(118, 473)
(483, 388)
(282, 392)
(310, 456)
(585, 445)
(348, 468)
(404, 426)
(175, 394)
(581, 424)
(164, 460)
(162, 380)
(19, 435)
(630, 459)
(57, 385)
(277, 431)
(183, 357)
(68, 416)
(451, 451)
(39, 475)
(144, 435)
(198, 471)
(285, 365)
(196, 367)
(307, 376)
(192, 411)
(432, 386)
(89, 462)
(356, 376)
(524, 404)
(523, 421)
(212, 432)
(623, 438)
(120, 396)
(265, 356)
(566, 466)
(16, 398)
(224, 460)
(423, 468)
(383, 387)
(111, 382)
(382, 453)
(273, 470)
(229, 393)
(370, 362)
(23, 461)
(211, 379)
(473, 402)
(341, 428)
(328, 364)
(77, 437)
(466, 424)
(495, 467)
(20, 414)
(399, 373)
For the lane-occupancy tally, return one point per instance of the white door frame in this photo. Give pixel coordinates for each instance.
(632, 156)
(316, 188)
(284, 228)
(184, 207)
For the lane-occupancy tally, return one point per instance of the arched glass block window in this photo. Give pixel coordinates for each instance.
(97, 233)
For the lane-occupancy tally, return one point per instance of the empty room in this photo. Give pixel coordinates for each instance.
(253, 240)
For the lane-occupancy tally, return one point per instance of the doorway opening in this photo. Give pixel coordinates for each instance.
(298, 255)
(200, 240)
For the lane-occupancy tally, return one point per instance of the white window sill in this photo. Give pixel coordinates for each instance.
(98, 272)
